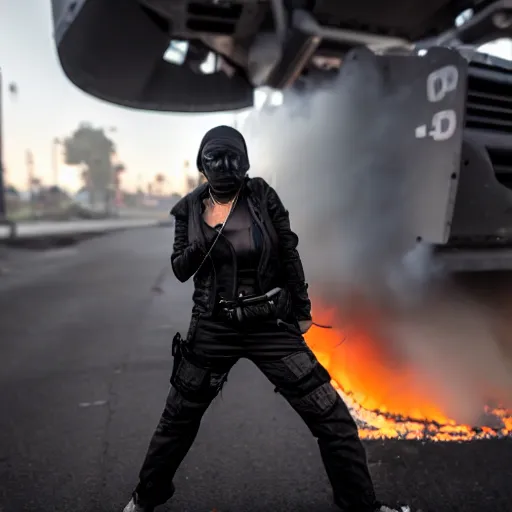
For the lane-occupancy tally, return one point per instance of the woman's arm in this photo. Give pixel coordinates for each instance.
(186, 257)
(289, 255)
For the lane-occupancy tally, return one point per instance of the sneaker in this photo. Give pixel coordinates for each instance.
(385, 508)
(134, 507)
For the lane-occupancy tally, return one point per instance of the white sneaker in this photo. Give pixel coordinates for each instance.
(133, 507)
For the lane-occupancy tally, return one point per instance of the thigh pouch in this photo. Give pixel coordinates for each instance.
(193, 380)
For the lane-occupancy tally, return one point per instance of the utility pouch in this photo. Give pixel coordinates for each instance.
(192, 380)
(253, 308)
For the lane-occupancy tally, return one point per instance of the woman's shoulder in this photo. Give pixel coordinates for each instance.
(258, 185)
(263, 191)
(181, 208)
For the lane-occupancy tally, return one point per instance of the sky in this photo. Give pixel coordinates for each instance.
(48, 105)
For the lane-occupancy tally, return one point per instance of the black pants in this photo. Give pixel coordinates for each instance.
(212, 349)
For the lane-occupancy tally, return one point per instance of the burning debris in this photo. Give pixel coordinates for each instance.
(380, 425)
(389, 396)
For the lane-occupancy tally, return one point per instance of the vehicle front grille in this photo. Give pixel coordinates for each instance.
(220, 18)
(489, 98)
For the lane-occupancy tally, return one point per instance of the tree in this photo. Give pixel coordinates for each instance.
(90, 146)
(191, 183)
(119, 169)
(160, 179)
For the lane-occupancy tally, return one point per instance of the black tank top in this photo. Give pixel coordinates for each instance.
(237, 253)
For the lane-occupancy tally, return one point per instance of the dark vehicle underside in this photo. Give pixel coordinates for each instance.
(206, 56)
(118, 50)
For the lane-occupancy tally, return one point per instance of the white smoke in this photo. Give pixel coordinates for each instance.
(349, 204)
(347, 194)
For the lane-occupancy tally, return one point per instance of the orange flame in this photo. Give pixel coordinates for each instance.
(385, 393)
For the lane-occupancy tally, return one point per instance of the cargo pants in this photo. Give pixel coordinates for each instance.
(201, 367)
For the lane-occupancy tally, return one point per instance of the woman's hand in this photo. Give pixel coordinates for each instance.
(215, 214)
(305, 325)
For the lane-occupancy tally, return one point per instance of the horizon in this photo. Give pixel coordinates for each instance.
(147, 143)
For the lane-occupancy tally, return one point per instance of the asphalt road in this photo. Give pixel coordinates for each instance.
(84, 370)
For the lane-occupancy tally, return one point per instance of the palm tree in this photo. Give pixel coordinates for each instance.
(160, 179)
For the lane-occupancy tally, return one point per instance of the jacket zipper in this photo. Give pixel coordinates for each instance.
(235, 266)
(262, 227)
(214, 283)
(214, 286)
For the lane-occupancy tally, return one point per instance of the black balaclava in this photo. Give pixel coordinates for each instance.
(223, 143)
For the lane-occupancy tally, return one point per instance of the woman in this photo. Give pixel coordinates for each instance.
(250, 300)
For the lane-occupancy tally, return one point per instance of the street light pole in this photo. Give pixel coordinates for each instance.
(55, 161)
(111, 188)
(3, 206)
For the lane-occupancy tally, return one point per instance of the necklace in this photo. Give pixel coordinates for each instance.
(214, 201)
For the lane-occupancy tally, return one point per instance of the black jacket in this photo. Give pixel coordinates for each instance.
(280, 263)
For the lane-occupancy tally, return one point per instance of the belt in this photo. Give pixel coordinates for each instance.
(234, 309)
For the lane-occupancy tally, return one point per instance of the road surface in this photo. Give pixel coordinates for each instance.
(85, 363)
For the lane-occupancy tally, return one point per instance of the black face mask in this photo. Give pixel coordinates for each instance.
(224, 185)
(223, 159)
(224, 167)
